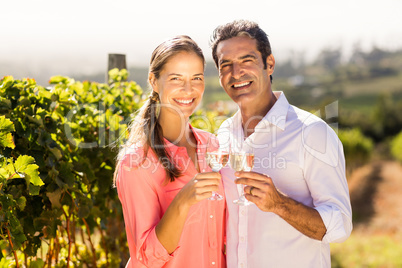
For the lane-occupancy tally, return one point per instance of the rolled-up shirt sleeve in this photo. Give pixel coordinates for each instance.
(324, 167)
(142, 211)
(339, 226)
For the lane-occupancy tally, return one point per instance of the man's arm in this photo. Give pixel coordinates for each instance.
(305, 219)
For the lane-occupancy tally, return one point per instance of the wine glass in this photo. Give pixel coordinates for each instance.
(241, 159)
(216, 158)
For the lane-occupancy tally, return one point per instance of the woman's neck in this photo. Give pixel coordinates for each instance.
(176, 129)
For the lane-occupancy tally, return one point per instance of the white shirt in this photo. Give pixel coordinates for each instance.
(305, 160)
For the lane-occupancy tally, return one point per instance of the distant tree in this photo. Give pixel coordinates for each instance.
(396, 147)
(330, 58)
(387, 118)
(285, 69)
(357, 147)
(358, 56)
(375, 55)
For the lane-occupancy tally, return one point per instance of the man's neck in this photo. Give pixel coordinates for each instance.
(252, 114)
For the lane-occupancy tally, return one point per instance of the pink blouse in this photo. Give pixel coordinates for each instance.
(145, 196)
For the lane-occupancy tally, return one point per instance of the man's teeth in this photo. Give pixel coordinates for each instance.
(185, 101)
(242, 84)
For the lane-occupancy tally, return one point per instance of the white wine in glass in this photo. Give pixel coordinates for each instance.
(242, 160)
(216, 159)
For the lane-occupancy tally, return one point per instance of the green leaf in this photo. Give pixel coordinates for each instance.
(32, 172)
(24, 164)
(58, 79)
(66, 175)
(6, 125)
(44, 93)
(33, 190)
(113, 74)
(56, 152)
(4, 174)
(6, 82)
(6, 140)
(54, 198)
(38, 263)
(124, 74)
(5, 103)
(21, 202)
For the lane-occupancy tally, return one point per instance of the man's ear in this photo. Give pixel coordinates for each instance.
(270, 64)
(153, 82)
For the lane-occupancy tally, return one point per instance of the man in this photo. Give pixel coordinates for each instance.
(299, 193)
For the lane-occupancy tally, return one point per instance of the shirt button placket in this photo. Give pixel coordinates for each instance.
(242, 248)
(212, 236)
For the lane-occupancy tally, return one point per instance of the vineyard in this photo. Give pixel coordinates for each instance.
(58, 145)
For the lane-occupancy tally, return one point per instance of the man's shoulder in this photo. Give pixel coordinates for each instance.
(312, 128)
(304, 117)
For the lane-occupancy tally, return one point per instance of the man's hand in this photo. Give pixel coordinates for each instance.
(260, 190)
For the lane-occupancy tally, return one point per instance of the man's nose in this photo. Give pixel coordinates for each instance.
(236, 71)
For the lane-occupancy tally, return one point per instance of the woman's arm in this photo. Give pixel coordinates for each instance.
(171, 226)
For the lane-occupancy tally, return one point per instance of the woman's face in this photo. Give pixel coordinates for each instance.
(180, 84)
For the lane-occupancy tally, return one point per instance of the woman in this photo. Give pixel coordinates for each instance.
(159, 176)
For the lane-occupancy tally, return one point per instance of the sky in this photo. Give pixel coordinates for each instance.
(75, 36)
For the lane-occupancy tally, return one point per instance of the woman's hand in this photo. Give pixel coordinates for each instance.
(199, 188)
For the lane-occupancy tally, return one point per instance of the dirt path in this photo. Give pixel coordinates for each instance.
(376, 196)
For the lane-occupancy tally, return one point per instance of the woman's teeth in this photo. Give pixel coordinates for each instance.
(184, 101)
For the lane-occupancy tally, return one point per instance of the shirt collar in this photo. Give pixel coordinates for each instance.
(276, 115)
(173, 149)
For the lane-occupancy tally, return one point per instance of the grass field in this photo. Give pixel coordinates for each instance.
(376, 198)
(361, 250)
(373, 86)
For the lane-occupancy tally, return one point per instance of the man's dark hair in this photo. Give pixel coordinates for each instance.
(241, 28)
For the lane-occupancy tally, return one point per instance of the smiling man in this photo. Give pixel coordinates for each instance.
(298, 206)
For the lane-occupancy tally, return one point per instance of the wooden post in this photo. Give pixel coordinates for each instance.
(115, 61)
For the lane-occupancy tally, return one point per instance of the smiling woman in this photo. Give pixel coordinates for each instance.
(165, 204)
(180, 85)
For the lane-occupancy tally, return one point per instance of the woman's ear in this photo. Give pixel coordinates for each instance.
(153, 82)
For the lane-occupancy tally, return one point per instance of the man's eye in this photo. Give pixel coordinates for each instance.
(198, 78)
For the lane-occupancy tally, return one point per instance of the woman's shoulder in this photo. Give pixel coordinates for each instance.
(134, 155)
(141, 163)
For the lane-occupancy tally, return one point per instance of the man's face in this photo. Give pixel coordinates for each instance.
(241, 71)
